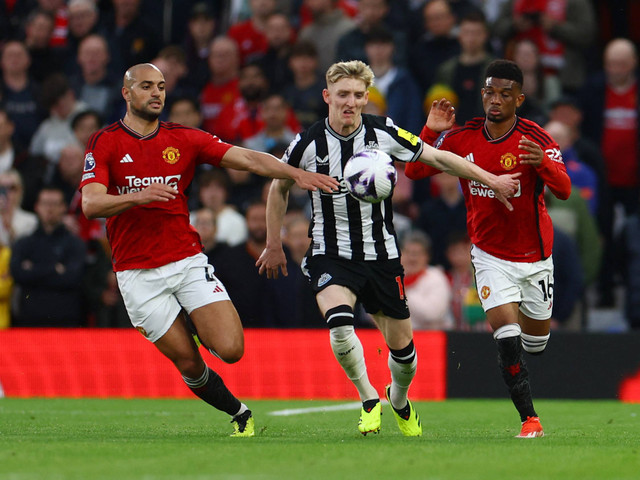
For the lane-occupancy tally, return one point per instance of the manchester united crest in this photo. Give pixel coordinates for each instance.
(485, 292)
(171, 155)
(142, 331)
(508, 161)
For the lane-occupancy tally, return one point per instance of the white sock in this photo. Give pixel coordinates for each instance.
(348, 351)
(401, 377)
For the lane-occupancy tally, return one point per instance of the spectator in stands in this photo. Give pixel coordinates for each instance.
(541, 88)
(9, 154)
(611, 106)
(83, 21)
(84, 124)
(18, 92)
(275, 61)
(222, 88)
(295, 238)
(466, 309)
(6, 287)
(566, 110)
(572, 216)
(568, 283)
(69, 172)
(304, 94)
(442, 215)
(583, 177)
(260, 302)
(16, 222)
(250, 34)
(45, 60)
(562, 31)
(396, 85)
(371, 14)
(274, 111)
(427, 288)
(328, 25)
(94, 84)
(464, 73)
(629, 261)
(437, 45)
(205, 223)
(213, 192)
(201, 30)
(132, 39)
(185, 111)
(58, 10)
(48, 266)
(55, 131)
(172, 62)
(243, 118)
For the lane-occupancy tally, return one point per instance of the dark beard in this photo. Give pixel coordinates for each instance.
(147, 116)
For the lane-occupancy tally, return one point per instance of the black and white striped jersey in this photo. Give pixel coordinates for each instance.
(341, 225)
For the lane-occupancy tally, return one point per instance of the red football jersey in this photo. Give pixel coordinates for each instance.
(526, 233)
(148, 236)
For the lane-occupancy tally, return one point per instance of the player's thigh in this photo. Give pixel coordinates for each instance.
(498, 283)
(537, 291)
(178, 345)
(397, 333)
(532, 326)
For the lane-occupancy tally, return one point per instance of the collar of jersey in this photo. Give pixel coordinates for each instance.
(340, 137)
(503, 137)
(135, 134)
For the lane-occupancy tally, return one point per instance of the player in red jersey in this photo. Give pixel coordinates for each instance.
(136, 172)
(511, 250)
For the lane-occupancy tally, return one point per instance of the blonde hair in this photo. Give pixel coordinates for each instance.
(352, 69)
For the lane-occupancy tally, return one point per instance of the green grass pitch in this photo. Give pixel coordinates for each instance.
(117, 439)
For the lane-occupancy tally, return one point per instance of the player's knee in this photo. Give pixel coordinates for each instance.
(341, 334)
(534, 344)
(190, 367)
(229, 353)
(339, 316)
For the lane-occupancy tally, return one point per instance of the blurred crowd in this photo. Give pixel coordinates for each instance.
(252, 73)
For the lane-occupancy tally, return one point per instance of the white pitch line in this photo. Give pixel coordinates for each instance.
(326, 408)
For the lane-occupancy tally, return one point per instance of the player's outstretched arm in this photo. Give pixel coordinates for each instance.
(504, 186)
(272, 258)
(267, 165)
(96, 202)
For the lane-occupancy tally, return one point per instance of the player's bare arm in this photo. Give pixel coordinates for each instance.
(267, 165)
(273, 259)
(534, 155)
(504, 186)
(96, 202)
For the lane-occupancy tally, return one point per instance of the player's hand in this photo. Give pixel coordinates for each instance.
(534, 155)
(271, 261)
(505, 187)
(156, 192)
(313, 181)
(442, 115)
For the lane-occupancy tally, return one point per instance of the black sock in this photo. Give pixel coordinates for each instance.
(369, 404)
(516, 376)
(212, 390)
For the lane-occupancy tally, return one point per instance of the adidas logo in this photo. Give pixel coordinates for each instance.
(126, 159)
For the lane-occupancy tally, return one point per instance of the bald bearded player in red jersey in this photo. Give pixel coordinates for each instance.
(136, 173)
(511, 251)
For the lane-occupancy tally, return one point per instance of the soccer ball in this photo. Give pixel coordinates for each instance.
(370, 176)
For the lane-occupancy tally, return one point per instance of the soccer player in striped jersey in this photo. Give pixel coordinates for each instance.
(136, 173)
(354, 253)
(511, 251)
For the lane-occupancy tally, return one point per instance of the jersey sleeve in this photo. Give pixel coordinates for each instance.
(406, 146)
(418, 170)
(553, 171)
(96, 159)
(211, 149)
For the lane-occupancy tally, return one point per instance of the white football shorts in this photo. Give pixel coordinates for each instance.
(500, 282)
(154, 297)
